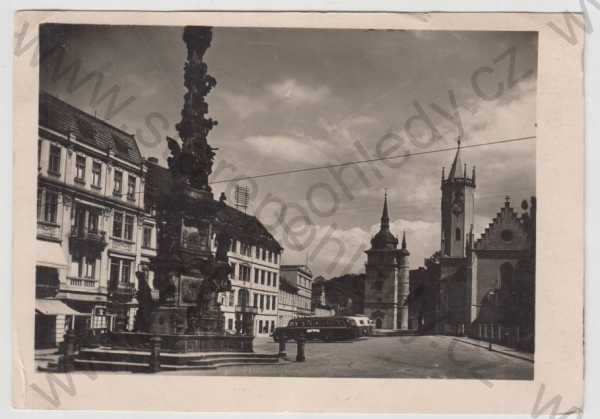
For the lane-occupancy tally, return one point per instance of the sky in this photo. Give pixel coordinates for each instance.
(289, 99)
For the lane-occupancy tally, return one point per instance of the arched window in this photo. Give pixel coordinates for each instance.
(506, 275)
(457, 235)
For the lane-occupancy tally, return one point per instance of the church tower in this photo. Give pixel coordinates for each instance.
(386, 283)
(458, 203)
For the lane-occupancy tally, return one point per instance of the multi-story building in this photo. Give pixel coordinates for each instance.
(254, 256)
(255, 282)
(90, 223)
(301, 277)
(288, 302)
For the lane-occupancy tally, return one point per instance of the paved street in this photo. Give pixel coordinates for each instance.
(388, 357)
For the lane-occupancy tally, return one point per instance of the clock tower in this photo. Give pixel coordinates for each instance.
(458, 202)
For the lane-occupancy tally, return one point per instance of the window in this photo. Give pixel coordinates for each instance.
(96, 174)
(275, 279)
(50, 206)
(274, 303)
(276, 258)
(232, 298)
(269, 278)
(118, 185)
(120, 270)
(507, 235)
(255, 300)
(229, 324)
(262, 277)
(270, 254)
(257, 252)
(234, 246)
(85, 267)
(131, 181)
(147, 237)
(39, 153)
(457, 235)
(268, 302)
(93, 219)
(129, 222)
(80, 169)
(245, 249)
(54, 161)
(117, 224)
(256, 275)
(244, 273)
(125, 270)
(260, 326)
(264, 254)
(262, 301)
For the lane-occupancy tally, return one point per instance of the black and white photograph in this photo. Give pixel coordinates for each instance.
(286, 202)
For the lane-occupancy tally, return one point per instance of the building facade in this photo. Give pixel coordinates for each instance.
(288, 302)
(90, 223)
(255, 282)
(301, 277)
(387, 278)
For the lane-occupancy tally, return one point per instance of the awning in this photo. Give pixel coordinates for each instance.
(50, 254)
(54, 307)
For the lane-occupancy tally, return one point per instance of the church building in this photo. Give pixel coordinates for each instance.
(386, 286)
(483, 288)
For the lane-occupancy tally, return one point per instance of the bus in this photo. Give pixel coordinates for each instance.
(321, 328)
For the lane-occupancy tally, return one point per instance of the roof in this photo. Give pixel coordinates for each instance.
(67, 119)
(456, 164)
(246, 227)
(302, 268)
(384, 239)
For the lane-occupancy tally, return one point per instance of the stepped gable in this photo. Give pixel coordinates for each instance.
(505, 232)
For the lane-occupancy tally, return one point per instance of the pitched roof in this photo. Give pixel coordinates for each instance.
(67, 119)
(384, 239)
(247, 228)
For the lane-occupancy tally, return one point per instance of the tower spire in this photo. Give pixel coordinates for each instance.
(456, 164)
(404, 249)
(385, 218)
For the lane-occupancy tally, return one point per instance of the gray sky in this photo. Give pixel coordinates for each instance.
(292, 99)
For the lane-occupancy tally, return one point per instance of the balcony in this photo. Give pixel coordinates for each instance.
(246, 309)
(121, 292)
(82, 282)
(83, 238)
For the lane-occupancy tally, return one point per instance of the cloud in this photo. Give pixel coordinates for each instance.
(288, 91)
(243, 106)
(293, 92)
(287, 147)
